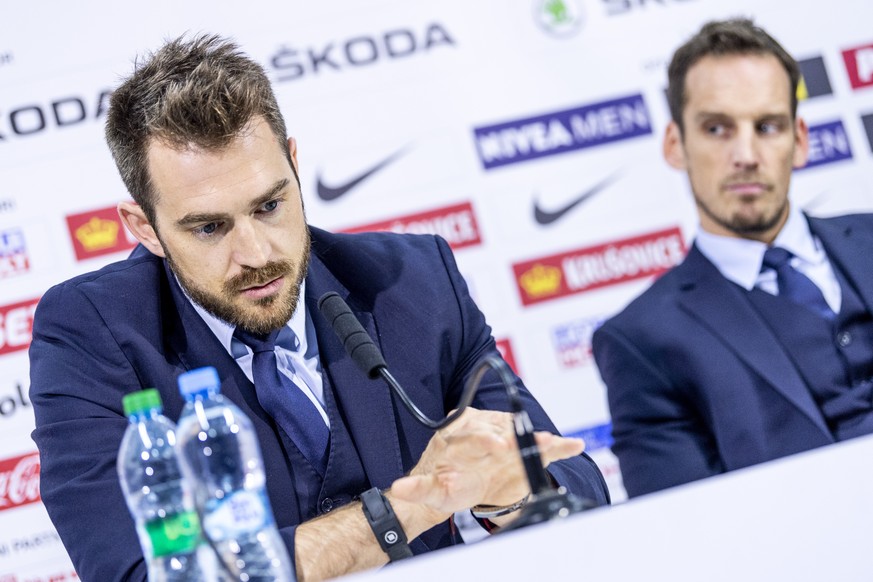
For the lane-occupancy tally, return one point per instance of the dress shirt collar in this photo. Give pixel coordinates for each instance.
(224, 331)
(739, 259)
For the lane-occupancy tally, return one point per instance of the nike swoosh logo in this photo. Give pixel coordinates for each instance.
(546, 217)
(328, 193)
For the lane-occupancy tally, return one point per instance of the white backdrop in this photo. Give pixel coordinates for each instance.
(483, 121)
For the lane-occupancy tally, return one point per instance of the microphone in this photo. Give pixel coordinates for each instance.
(366, 355)
(546, 502)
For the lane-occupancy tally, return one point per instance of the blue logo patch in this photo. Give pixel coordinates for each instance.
(583, 127)
(828, 143)
(595, 437)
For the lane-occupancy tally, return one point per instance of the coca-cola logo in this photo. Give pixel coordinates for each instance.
(19, 481)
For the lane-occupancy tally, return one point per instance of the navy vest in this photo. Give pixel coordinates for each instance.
(344, 476)
(835, 358)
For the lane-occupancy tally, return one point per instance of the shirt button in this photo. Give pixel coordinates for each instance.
(844, 338)
(326, 504)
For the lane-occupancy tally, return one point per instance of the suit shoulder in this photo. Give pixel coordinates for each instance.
(654, 303)
(130, 278)
(378, 244)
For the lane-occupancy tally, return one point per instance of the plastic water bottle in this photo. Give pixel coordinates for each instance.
(220, 455)
(158, 498)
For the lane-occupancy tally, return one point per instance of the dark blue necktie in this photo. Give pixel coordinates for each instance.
(284, 401)
(795, 285)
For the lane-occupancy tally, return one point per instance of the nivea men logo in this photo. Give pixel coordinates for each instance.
(828, 143)
(582, 127)
(61, 112)
(291, 64)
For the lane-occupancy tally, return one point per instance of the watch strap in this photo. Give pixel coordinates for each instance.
(385, 525)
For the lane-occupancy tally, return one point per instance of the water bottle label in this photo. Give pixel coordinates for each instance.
(174, 534)
(239, 513)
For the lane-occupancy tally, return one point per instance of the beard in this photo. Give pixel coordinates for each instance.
(262, 315)
(744, 225)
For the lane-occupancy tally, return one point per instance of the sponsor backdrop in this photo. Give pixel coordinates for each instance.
(525, 132)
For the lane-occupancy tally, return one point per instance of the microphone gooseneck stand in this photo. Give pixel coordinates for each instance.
(546, 501)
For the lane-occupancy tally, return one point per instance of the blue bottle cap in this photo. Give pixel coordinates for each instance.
(199, 382)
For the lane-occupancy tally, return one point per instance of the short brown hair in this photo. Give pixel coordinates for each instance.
(201, 92)
(738, 36)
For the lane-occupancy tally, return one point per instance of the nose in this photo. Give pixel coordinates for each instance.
(251, 248)
(744, 153)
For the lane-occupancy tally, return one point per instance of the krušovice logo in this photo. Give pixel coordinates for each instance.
(291, 64)
(546, 217)
(828, 143)
(457, 224)
(859, 66)
(561, 18)
(814, 80)
(16, 326)
(588, 126)
(99, 232)
(590, 268)
(330, 193)
(14, 259)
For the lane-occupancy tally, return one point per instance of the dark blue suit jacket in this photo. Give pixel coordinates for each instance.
(120, 329)
(697, 382)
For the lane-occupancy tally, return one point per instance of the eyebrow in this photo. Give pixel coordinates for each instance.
(205, 217)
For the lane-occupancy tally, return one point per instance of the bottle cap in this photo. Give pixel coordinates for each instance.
(199, 382)
(141, 400)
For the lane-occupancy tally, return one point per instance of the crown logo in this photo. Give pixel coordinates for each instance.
(540, 280)
(97, 234)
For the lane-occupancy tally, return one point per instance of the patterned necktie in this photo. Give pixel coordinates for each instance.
(285, 401)
(795, 285)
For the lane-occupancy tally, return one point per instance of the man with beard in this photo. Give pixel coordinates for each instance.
(760, 344)
(226, 254)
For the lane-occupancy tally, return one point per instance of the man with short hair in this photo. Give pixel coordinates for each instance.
(225, 255)
(760, 344)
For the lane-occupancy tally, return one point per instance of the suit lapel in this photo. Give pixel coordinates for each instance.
(846, 246)
(723, 309)
(367, 404)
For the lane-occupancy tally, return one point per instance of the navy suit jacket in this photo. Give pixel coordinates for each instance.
(105, 334)
(697, 382)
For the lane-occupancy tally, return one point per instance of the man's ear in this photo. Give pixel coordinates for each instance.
(292, 147)
(135, 220)
(673, 149)
(801, 143)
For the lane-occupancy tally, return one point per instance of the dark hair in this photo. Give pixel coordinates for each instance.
(201, 92)
(737, 36)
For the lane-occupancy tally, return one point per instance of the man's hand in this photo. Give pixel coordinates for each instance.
(475, 461)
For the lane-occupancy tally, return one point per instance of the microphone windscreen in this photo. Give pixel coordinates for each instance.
(351, 333)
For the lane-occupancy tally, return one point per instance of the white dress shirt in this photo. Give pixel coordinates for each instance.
(739, 259)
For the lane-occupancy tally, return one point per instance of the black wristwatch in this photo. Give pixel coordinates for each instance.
(385, 525)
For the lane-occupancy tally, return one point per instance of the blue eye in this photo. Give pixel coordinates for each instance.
(206, 229)
(270, 206)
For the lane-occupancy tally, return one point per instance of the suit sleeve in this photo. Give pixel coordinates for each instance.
(659, 438)
(580, 474)
(78, 375)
